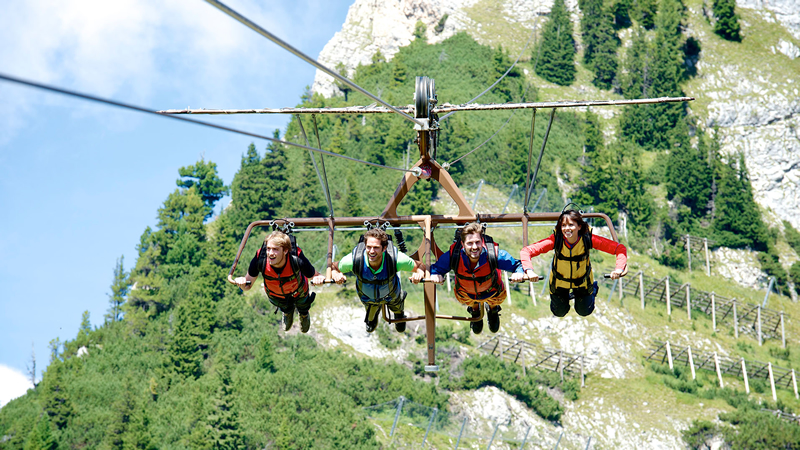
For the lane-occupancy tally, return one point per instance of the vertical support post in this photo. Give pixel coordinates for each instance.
(688, 251)
(477, 193)
(735, 321)
(588, 443)
(708, 263)
(613, 288)
(719, 373)
(513, 191)
(583, 380)
(449, 289)
(561, 364)
(621, 285)
(641, 287)
(500, 347)
(494, 433)
(533, 292)
(794, 385)
(772, 382)
(508, 287)
(744, 375)
(430, 424)
(400, 402)
(783, 332)
(430, 301)
(524, 363)
(669, 301)
(546, 283)
(688, 301)
(713, 312)
(691, 363)
(669, 355)
(758, 326)
(525, 439)
(463, 425)
(559, 440)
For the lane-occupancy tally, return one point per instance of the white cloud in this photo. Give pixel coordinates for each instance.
(13, 384)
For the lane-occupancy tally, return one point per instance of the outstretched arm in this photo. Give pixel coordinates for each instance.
(246, 282)
(535, 249)
(613, 248)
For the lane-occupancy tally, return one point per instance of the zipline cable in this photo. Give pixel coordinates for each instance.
(322, 162)
(245, 21)
(316, 169)
(533, 30)
(416, 171)
(530, 155)
(447, 165)
(541, 153)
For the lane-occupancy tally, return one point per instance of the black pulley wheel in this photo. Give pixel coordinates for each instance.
(421, 98)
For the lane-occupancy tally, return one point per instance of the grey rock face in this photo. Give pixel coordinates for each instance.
(786, 12)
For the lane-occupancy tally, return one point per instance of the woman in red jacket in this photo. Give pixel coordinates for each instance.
(571, 271)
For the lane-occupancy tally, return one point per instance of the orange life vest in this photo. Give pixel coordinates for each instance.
(290, 282)
(483, 279)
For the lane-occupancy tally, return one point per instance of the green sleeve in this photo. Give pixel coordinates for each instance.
(346, 264)
(405, 263)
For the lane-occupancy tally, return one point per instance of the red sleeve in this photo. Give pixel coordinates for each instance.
(536, 249)
(613, 248)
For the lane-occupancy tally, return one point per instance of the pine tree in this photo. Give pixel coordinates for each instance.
(591, 20)
(119, 290)
(41, 436)
(56, 399)
(306, 198)
(203, 176)
(224, 420)
(352, 201)
(604, 63)
(557, 50)
(593, 134)
(727, 24)
(260, 187)
(636, 82)
(689, 176)
(645, 12)
(737, 220)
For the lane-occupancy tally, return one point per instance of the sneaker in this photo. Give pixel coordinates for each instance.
(493, 317)
(288, 320)
(400, 326)
(371, 324)
(305, 323)
(476, 327)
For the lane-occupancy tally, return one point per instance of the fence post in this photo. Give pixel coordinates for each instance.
(545, 285)
(689, 251)
(708, 264)
(508, 287)
(758, 325)
(620, 290)
(448, 283)
(559, 440)
(477, 194)
(772, 382)
(582, 378)
(588, 443)
(735, 321)
(430, 424)
(463, 425)
(783, 332)
(794, 385)
(669, 355)
(713, 312)
(641, 287)
(719, 373)
(613, 288)
(688, 301)
(669, 302)
(532, 291)
(496, 426)
(744, 375)
(397, 414)
(513, 191)
(525, 439)
(561, 364)
(691, 362)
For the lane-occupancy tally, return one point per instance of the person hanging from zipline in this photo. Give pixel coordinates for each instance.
(375, 262)
(477, 265)
(571, 270)
(286, 272)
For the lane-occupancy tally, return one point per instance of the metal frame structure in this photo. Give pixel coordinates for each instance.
(427, 129)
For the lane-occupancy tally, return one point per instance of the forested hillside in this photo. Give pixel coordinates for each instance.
(185, 360)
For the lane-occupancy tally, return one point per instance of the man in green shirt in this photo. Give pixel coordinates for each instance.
(375, 263)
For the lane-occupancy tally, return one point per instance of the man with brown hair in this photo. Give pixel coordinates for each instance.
(477, 261)
(286, 271)
(377, 282)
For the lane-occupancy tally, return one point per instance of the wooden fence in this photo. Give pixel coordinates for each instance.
(664, 352)
(534, 356)
(743, 317)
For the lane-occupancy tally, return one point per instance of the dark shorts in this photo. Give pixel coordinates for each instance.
(584, 300)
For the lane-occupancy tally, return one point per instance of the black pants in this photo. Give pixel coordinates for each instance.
(584, 301)
(288, 304)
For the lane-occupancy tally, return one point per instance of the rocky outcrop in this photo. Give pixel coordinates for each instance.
(785, 12)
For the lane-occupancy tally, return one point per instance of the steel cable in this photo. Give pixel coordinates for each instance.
(416, 171)
(245, 21)
(322, 184)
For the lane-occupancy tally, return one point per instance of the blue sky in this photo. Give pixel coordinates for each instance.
(79, 182)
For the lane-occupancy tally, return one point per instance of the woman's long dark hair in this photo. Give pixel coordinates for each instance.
(583, 227)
